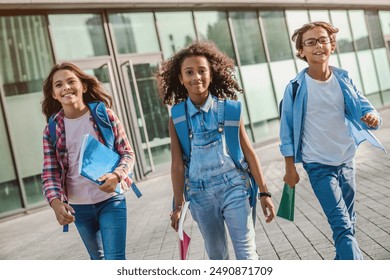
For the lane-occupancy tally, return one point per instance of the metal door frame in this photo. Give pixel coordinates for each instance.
(131, 60)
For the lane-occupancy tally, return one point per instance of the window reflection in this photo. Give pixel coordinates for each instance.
(176, 31)
(9, 187)
(129, 32)
(359, 30)
(25, 55)
(343, 37)
(255, 74)
(248, 37)
(278, 42)
(368, 72)
(26, 59)
(214, 26)
(85, 29)
(375, 29)
(155, 114)
(295, 20)
(384, 17)
(349, 63)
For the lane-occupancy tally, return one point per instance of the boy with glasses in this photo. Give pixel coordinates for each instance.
(321, 125)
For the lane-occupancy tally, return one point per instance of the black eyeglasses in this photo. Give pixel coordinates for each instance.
(312, 41)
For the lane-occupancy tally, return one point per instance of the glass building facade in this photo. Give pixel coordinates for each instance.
(124, 48)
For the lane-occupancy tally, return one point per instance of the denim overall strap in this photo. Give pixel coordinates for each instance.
(221, 114)
(190, 131)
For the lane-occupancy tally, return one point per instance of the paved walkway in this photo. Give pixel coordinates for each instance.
(37, 236)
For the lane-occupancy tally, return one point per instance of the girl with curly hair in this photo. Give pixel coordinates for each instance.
(201, 75)
(98, 211)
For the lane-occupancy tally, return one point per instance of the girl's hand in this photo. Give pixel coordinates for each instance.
(371, 120)
(62, 212)
(110, 180)
(175, 216)
(268, 208)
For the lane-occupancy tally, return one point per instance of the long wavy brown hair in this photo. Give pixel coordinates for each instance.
(223, 85)
(95, 90)
(298, 33)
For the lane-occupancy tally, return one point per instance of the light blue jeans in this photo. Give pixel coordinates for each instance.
(218, 195)
(102, 227)
(335, 188)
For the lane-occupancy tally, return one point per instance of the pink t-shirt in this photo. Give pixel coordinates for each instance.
(80, 189)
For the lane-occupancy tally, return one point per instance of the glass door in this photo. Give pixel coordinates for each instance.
(102, 69)
(149, 117)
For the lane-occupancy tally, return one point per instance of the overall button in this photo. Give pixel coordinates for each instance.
(220, 129)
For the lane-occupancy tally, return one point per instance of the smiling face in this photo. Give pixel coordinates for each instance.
(68, 89)
(195, 76)
(318, 53)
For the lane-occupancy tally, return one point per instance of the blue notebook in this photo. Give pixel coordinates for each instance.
(96, 160)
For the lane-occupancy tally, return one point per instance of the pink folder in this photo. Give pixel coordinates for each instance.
(184, 244)
(184, 239)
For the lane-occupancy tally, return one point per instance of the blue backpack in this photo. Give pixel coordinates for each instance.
(231, 124)
(99, 114)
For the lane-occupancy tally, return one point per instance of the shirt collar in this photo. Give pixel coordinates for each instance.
(192, 109)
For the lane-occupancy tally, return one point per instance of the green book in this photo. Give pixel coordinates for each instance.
(287, 203)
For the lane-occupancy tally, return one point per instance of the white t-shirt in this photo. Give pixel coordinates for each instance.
(80, 189)
(326, 138)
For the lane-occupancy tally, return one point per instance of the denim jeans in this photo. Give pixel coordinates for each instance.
(335, 188)
(102, 227)
(219, 200)
(218, 197)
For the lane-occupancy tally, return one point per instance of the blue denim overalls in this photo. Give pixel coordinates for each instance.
(216, 189)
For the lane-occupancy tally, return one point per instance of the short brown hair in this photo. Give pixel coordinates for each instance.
(298, 33)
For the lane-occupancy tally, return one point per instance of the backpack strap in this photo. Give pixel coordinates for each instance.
(295, 88)
(99, 114)
(294, 93)
(52, 131)
(179, 118)
(232, 136)
(232, 131)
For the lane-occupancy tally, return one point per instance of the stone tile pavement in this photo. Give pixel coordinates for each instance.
(37, 236)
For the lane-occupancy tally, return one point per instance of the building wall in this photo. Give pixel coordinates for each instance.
(83, 4)
(123, 48)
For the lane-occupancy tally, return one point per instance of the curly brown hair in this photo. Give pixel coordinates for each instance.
(298, 33)
(95, 90)
(224, 83)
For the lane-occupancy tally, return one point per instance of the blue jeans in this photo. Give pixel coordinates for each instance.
(335, 188)
(219, 200)
(102, 227)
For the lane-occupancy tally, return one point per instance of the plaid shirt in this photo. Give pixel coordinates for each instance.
(56, 162)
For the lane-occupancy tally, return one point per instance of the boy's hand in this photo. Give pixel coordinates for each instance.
(370, 119)
(291, 177)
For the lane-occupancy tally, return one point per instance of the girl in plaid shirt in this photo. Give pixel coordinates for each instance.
(98, 211)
